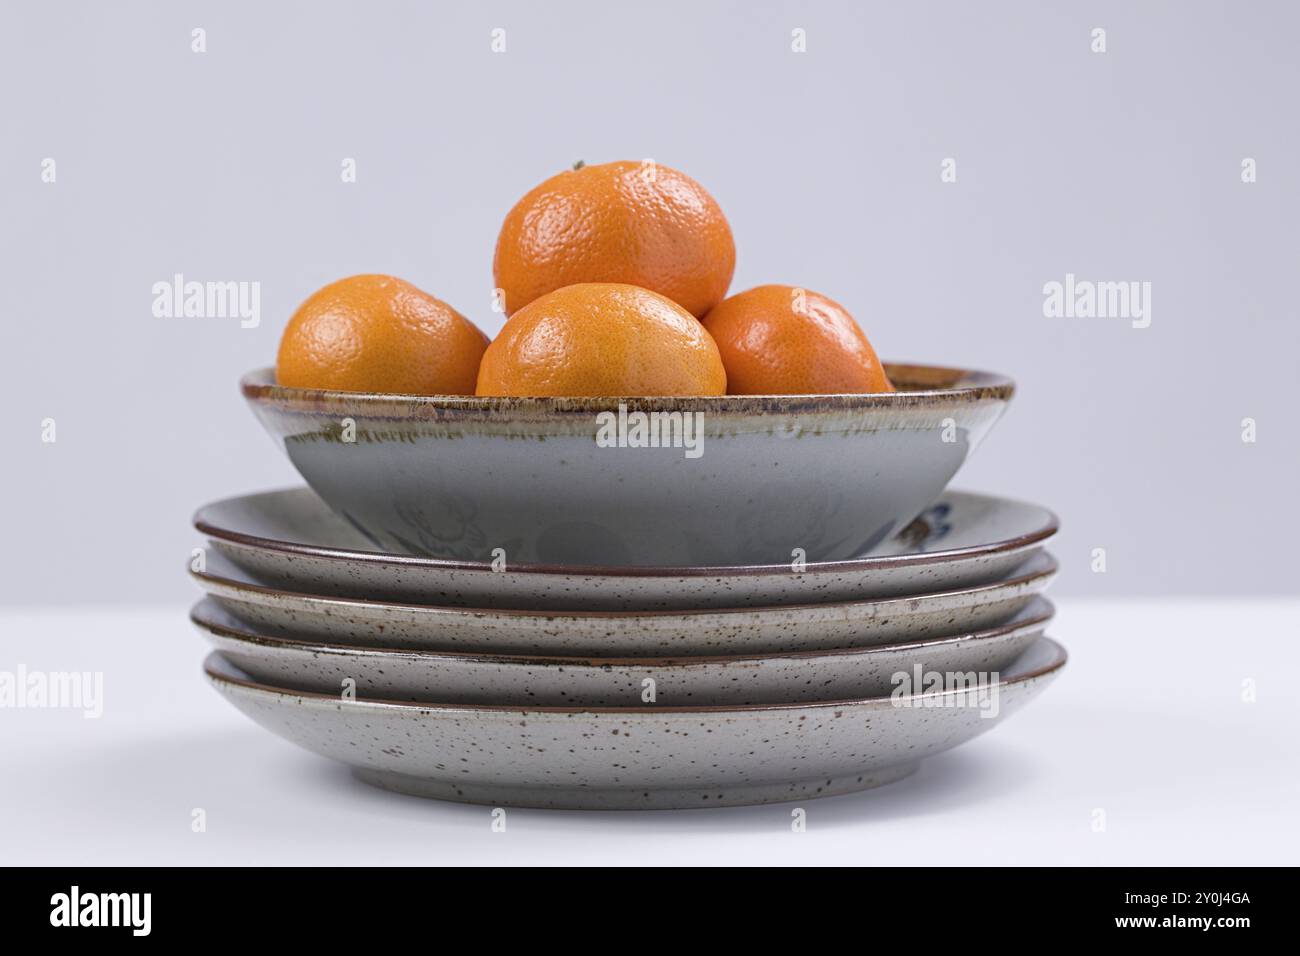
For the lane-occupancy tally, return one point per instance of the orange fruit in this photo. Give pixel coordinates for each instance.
(637, 223)
(783, 340)
(376, 333)
(604, 339)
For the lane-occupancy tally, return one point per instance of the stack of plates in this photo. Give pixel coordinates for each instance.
(413, 628)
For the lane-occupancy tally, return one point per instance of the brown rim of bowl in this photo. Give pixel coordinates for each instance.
(1051, 568)
(404, 561)
(215, 663)
(919, 386)
(198, 618)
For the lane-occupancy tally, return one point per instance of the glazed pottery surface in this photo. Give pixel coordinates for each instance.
(477, 678)
(728, 631)
(733, 479)
(637, 758)
(292, 539)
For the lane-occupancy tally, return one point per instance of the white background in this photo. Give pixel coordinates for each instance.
(1146, 724)
(226, 166)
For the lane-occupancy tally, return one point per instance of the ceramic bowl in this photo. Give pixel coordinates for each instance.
(639, 757)
(733, 479)
(715, 632)
(292, 539)
(467, 678)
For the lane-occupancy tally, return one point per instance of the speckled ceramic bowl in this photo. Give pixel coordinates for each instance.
(730, 631)
(567, 481)
(292, 539)
(637, 758)
(467, 678)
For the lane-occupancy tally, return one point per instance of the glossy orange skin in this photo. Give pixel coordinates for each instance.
(377, 333)
(602, 339)
(783, 340)
(636, 223)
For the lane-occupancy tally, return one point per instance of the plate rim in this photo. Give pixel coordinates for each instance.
(1051, 567)
(215, 533)
(965, 386)
(1042, 619)
(215, 661)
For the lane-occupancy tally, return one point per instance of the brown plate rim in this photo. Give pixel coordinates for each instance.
(1041, 619)
(975, 385)
(1050, 569)
(204, 526)
(1058, 661)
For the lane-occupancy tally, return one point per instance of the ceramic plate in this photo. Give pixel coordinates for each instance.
(603, 681)
(637, 758)
(726, 479)
(717, 632)
(291, 539)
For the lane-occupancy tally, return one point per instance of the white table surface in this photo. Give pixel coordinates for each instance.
(1147, 724)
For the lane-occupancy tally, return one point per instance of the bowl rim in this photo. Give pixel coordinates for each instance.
(1038, 614)
(920, 381)
(1051, 525)
(1043, 566)
(219, 671)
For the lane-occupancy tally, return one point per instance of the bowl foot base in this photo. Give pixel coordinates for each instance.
(588, 798)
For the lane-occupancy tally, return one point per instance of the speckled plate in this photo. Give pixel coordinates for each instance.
(637, 758)
(715, 632)
(605, 681)
(292, 539)
(643, 481)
